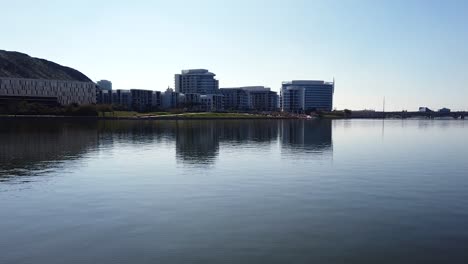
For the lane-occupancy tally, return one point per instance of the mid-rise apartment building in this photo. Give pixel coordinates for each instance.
(211, 102)
(122, 98)
(258, 98)
(142, 100)
(198, 81)
(103, 96)
(236, 99)
(262, 98)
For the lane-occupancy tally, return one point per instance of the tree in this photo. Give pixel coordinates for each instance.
(104, 109)
(23, 107)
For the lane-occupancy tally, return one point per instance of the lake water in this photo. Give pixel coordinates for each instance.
(343, 191)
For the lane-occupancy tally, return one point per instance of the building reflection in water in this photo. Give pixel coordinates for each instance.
(134, 132)
(28, 147)
(197, 142)
(308, 137)
(238, 131)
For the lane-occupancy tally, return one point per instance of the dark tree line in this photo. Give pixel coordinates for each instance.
(30, 108)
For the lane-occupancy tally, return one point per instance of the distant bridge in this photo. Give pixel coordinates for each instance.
(403, 115)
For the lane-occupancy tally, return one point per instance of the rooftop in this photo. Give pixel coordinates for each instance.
(197, 72)
(250, 88)
(306, 82)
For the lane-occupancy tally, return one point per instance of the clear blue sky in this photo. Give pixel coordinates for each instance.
(414, 52)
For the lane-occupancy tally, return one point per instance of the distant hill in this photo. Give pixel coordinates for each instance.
(20, 65)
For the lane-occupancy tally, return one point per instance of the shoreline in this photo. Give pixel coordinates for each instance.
(146, 118)
(185, 117)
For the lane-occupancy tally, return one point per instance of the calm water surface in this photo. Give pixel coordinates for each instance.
(346, 191)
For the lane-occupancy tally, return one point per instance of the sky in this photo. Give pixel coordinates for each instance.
(412, 52)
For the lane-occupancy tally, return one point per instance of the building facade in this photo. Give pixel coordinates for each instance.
(65, 92)
(142, 100)
(211, 102)
(156, 100)
(170, 99)
(236, 99)
(303, 96)
(198, 81)
(104, 96)
(192, 101)
(122, 98)
(258, 98)
(262, 98)
(133, 99)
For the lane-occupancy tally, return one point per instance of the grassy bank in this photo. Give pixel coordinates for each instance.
(132, 115)
(128, 114)
(168, 115)
(25, 109)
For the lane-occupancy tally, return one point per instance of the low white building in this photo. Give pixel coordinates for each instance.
(424, 109)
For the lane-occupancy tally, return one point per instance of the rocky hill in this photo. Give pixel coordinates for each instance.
(20, 65)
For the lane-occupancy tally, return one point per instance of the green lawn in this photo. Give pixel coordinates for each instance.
(219, 115)
(129, 114)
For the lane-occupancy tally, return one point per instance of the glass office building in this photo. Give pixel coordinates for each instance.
(303, 96)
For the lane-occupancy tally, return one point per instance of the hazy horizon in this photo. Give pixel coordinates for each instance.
(412, 52)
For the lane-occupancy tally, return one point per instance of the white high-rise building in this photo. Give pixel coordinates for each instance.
(196, 81)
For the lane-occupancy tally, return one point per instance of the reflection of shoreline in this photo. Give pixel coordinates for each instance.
(33, 146)
(143, 117)
(40, 144)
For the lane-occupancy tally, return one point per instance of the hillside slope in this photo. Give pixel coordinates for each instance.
(20, 65)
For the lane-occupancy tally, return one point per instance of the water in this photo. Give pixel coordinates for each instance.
(345, 191)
